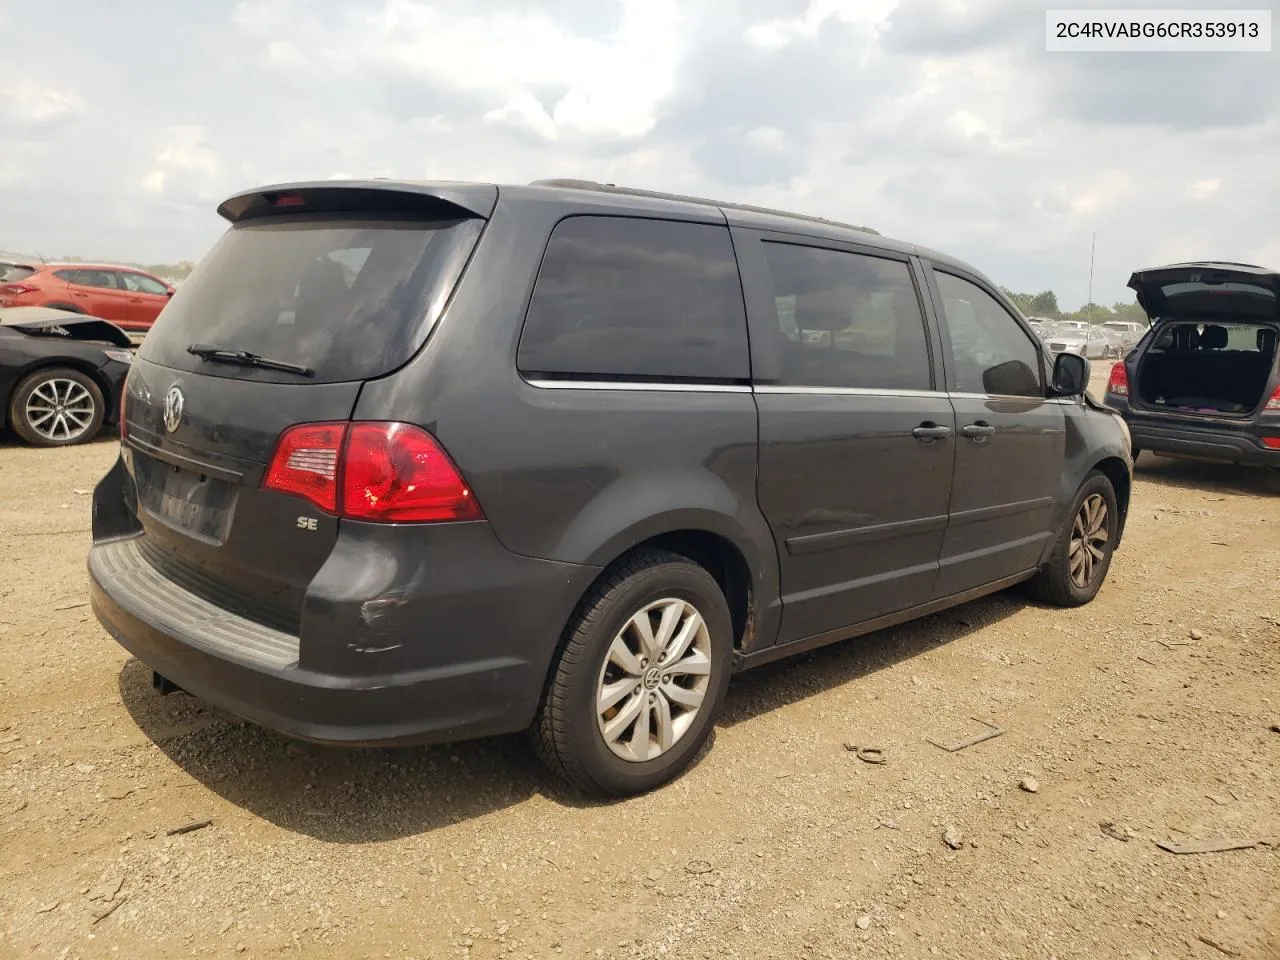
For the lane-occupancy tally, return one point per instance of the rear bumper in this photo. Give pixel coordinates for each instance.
(483, 680)
(1207, 443)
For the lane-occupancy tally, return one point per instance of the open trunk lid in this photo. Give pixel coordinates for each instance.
(1208, 291)
(305, 300)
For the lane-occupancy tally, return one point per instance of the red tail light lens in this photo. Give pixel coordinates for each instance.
(397, 473)
(1274, 402)
(306, 463)
(379, 472)
(17, 289)
(1119, 380)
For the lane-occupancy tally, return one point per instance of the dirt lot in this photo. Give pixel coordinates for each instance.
(780, 843)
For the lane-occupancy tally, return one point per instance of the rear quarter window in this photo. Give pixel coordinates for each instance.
(621, 298)
(11, 274)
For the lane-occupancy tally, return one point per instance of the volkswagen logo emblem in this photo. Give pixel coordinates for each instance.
(173, 401)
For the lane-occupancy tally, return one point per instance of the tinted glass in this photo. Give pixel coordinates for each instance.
(847, 320)
(10, 273)
(1184, 287)
(348, 298)
(992, 354)
(106, 279)
(622, 298)
(67, 275)
(137, 283)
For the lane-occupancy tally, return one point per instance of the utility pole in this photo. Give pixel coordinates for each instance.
(1093, 243)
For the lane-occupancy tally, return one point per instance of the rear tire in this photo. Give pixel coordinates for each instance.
(652, 641)
(1082, 553)
(57, 407)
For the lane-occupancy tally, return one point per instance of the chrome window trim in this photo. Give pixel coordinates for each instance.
(846, 391)
(630, 386)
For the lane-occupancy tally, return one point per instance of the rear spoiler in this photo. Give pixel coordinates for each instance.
(425, 198)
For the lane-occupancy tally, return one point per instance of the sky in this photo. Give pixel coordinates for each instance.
(939, 122)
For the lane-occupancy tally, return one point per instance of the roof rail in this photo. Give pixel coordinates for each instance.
(659, 195)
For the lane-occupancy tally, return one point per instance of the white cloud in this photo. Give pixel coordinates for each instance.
(34, 103)
(778, 33)
(607, 87)
(1204, 189)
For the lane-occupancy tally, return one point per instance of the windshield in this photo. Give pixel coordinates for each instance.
(350, 299)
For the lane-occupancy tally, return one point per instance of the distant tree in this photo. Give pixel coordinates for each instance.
(1020, 300)
(1045, 304)
(1131, 312)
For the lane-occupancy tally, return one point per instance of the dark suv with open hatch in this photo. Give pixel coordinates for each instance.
(1203, 381)
(419, 462)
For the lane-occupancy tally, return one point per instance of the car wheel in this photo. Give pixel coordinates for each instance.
(640, 678)
(56, 407)
(1082, 553)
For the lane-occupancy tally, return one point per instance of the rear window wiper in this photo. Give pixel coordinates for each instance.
(206, 351)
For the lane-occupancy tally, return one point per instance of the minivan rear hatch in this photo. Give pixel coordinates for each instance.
(314, 290)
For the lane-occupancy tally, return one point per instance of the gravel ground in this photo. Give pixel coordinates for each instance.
(1145, 717)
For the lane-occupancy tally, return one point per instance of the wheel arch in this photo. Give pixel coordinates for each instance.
(749, 582)
(1117, 471)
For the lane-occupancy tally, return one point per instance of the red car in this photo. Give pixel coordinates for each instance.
(127, 297)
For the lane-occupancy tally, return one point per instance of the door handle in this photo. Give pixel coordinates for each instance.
(930, 431)
(978, 431)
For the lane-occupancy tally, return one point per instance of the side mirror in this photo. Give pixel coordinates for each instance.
(1070, 375)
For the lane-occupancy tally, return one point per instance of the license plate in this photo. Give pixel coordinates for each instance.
(199, 506)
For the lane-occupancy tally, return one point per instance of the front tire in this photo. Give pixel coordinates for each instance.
(640, 679)
(1082, 553)
(56, 407)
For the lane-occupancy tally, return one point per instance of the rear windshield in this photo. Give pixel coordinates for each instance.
(349, 298)
(11, 272)
(1234, 337)
(1182, 288)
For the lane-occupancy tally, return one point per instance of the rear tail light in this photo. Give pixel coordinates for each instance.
(1119, 380)
(17, 289)
(1274, 402)
(306, 463)
(374, 471)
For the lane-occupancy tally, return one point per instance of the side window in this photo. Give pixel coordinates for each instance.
(68, 275)
(626, 298)
(847, 320)
(992, 353)
(137, 283)
(97, 278)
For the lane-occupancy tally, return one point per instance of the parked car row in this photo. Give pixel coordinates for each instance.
(1093, 341)
(125, 296)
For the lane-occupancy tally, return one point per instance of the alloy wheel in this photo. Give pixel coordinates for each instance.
(1089, 537)
(654, 679)
(60, 409)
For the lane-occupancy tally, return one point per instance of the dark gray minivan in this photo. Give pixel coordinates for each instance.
(418, 462)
